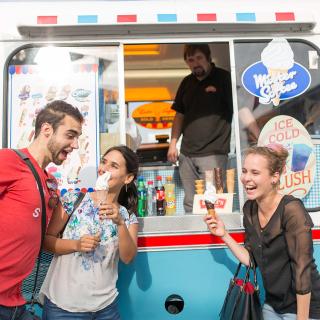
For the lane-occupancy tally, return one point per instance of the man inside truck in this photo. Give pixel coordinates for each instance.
(57, 129)
(203, 106)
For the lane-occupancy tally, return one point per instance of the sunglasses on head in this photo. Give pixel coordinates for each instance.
(54, 198)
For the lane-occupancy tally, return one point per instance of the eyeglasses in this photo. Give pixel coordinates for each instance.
(54, 198)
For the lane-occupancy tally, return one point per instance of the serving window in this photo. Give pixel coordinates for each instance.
(152, 78)
(278, 102)
(91, 78)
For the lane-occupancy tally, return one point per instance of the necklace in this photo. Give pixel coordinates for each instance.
(263, 220)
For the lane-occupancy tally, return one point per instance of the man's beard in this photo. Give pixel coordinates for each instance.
(54, 149)
(199, 72)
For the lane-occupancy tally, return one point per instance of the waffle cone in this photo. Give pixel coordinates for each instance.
(210, 208)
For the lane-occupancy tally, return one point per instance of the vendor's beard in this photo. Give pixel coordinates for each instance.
(199, 72)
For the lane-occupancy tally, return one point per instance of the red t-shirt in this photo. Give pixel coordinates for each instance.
(20, 223)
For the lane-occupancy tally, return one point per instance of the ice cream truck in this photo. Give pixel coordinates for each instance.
(120, 63)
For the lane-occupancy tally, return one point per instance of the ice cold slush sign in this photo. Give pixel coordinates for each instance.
(299, 172)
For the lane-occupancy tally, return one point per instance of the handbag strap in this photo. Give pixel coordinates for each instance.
(26, 159)
(75, 206)
(251, 266)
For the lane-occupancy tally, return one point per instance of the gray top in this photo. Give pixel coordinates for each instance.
(85, 282)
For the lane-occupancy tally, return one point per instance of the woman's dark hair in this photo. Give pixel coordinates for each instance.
(128, 196)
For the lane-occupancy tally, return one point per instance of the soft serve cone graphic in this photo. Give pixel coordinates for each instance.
(277, 57)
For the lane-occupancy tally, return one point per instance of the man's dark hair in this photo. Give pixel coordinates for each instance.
(190, 50)
(54, 112)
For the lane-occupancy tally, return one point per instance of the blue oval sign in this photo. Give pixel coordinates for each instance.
(271, 86)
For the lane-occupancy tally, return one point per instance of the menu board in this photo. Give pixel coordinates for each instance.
(29, 91)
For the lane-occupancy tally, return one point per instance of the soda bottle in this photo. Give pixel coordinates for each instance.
(142, 197)
(151, 199)
(170, 196)
(160, 196)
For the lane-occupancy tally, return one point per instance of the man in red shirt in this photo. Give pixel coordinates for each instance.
(57, 129)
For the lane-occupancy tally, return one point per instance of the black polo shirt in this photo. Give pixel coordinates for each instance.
(283, 251)
(207, 108)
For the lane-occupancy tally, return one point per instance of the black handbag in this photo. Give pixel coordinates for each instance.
(242, 300)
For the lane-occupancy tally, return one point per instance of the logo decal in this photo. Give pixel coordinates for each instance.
(276, 77)
(36, 213)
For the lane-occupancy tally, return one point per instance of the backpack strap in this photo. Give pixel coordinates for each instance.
(26, 159)
(75, 206)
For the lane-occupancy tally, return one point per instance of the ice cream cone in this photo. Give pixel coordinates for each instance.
(199, 190)
(208, 177)
(278, 58)
(102, 186)
(210, 198)
(101, 195)
(199, 182)
(210, 208)
(199, 186)
(230, 180)
(218, 180)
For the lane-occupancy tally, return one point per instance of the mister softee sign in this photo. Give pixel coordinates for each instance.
(276, 77)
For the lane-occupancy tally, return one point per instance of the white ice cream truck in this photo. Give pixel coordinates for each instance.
(120, 63)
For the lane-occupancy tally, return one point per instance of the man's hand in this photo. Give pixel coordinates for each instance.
(172, 154)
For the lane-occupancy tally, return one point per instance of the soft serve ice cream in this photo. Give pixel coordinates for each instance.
(210, 198)
(102, 186)
(277, 57)
(102, 182)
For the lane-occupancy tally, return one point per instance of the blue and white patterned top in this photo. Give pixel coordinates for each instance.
(86, 282)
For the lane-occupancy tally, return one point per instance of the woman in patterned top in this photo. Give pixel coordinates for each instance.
(81, 280)
(278, 234)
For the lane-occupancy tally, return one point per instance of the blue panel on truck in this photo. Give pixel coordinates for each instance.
(200, 277)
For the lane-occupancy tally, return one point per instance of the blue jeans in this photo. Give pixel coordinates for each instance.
(16, 313)
(53, 312)
(270, 314)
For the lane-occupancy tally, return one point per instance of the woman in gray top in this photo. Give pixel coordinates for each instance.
(81, 280)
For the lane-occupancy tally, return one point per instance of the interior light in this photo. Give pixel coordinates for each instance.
(53, 62)
(141, 49)
(147, 94)
(156, 74)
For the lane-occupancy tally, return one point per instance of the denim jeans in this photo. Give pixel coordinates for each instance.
(16, 313)
(53, 312)
(270, 314)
